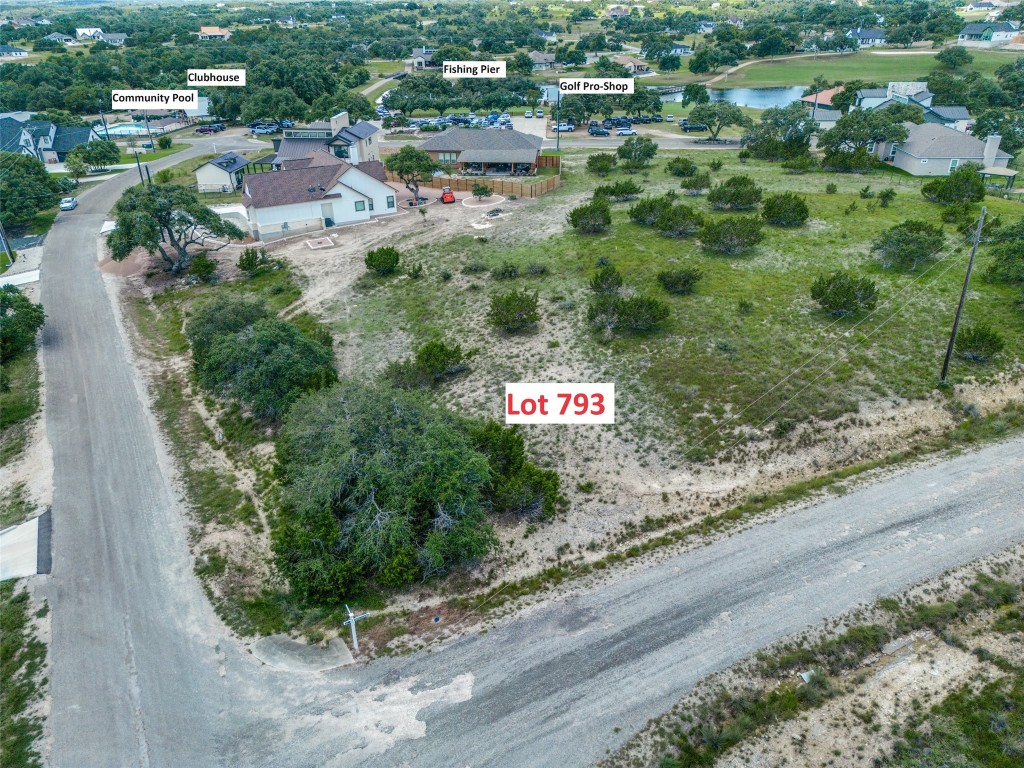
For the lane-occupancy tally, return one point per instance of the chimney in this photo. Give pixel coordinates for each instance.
(339, 121)
(991, 148)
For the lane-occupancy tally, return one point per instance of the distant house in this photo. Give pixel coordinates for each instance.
(12, 52)
(88, 33)
(354, 143)
(903, 92)
(955, 117)
(42, 139)
(286, 21)
(546, 35)
(423, 58)
(988, 34)
(972, 7)
(867, 37)
(222, 174)
(542, 61)
(825, 117)
(635, 66)
(213, 33)
(485, 152)
(328, 192)
(681, 49)
(113, 38)
(60, 37)
(822, 98)
(706, 27)
(616, 12)
(935, 150)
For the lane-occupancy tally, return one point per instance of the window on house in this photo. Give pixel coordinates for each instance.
(446, 157)
(371, 203)
(871, 147)
(391, 201)
(360, 205)
(953, 164)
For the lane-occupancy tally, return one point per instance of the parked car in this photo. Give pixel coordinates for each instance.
(596, 130)
(670, 118)
(206, 129)
(540, 113)
(447, 196)
(287, 124)
(690, 127)
(625, 132)
(562, 128)
(265, 130)
(528, 113)
(218, 127)
(657, 118)
(646, 120)
(69, 203)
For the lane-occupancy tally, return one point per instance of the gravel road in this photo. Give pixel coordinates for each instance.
(143, 674)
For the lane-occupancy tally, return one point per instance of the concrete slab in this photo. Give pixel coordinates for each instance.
(282, 652)
(18, 550)
(21, 278)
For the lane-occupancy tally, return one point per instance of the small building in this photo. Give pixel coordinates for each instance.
(935, 150)
(542, 61)
(681, 49)
(485, 152)
(546, 35)
(328, 192)
(706, 27)
(822, 98)
(904, 92)
(60, 37)
(423, 58)
(222, 174)
(635, 66)
(213, 33)
(88, 33)
(354, 143)
(867, 37)
(988, 34)
(12, 52)
(825, 117)
(956, 117)
(616, 12)
(41, 139)
(113, 38)
(973, 7)
(286, 21)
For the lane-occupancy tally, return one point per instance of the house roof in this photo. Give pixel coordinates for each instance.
(825, 115)
(541, 58)
(212, 31)
(929, 140)
(301, 185)
(297, 149)
(873, 93)
(424, 52)
(65, 139)
(38, 127)
(113, 37)
(11, 49)
(823, 97)
(951, 113)
(10, 134)
(60, 36)
(867, 33)
(229, 162)
(978, 28)
(375, 169)
(478, 145)
(629, 60)
(356, 132)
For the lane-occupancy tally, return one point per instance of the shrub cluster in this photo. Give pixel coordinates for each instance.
(841, 294)
(738, 193)
(610, 312)
(620, 191)
(785, 210)
(731, 236)
(433, 363)
(591, 218)
(383, 261)
(682, 281)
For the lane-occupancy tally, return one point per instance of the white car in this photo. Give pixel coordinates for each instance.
(562, 128)
(529, 113)
(540, 113)
(625, 132)
(69, 203)
(670, 118)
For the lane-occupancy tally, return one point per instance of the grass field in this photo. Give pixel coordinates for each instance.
(864, 65)
(715, 359)
(22, 656)
(129, 157)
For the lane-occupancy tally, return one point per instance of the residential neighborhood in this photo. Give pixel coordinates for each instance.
(512, 384)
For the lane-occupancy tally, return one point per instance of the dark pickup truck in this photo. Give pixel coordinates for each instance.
(691, 127)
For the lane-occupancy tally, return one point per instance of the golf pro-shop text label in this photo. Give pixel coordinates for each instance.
(596, 85)
(547, 403)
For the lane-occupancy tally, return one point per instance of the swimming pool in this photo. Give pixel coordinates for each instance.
(123, 129)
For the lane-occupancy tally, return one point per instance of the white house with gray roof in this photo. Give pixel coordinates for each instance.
(222, 174)
(354, 143)
(931, 149)
(988, 34)
(867, 37)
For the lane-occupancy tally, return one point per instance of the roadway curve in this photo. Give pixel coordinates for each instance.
(143, 674)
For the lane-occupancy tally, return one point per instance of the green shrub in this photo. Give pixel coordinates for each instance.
(696, 185)
(480, 191)
(514, 311)
(203, 267)
(682, 167)
(866, 193)
(744, 155)
(602, 163)
(963, 185)
(785, 210)
(507, 271)
(681, 281)
(886, 196)
(20, 321)
(979, 343)
(591, 218)
(639, 314)
(909, 244)
(606, 281)
(800, 164)
(738, 193)
(383, 261)
(537, 269)
(620, 191)
(731, 236)
(433, 363)
(164, 142)
(715, 165)
(647, 210)
(251, 261)
(223, 315)
(831, 189)
(841, 294)
(678, 221)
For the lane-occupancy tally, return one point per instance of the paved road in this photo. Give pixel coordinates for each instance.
(144, 675)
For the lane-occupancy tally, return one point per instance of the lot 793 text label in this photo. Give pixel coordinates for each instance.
(553, 403)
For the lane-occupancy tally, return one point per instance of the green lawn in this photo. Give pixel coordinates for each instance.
(864, 65)
(148, 156)
(39, 224)
(384, 66)
(22, 656)
(712, 358)
(378, 88)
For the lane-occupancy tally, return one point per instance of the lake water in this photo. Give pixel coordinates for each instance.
(759, 98)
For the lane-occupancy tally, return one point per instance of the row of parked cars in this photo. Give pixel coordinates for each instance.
(623, 126)
(266, 127)
(211, 128)
(470, 119)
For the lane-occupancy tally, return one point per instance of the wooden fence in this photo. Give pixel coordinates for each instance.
(549, 161)
(504, 187)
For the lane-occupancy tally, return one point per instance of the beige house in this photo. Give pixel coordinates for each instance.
(213, 33)
(635, 66)
(935, 150)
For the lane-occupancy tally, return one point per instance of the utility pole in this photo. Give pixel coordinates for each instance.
(558, 109)
(138, 165)
(5, 243)
(963, 297)
(351, 621)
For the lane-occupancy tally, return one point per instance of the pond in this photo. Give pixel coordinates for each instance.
(758, 98)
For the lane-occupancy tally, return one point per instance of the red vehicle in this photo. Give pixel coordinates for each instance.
(447, 196)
